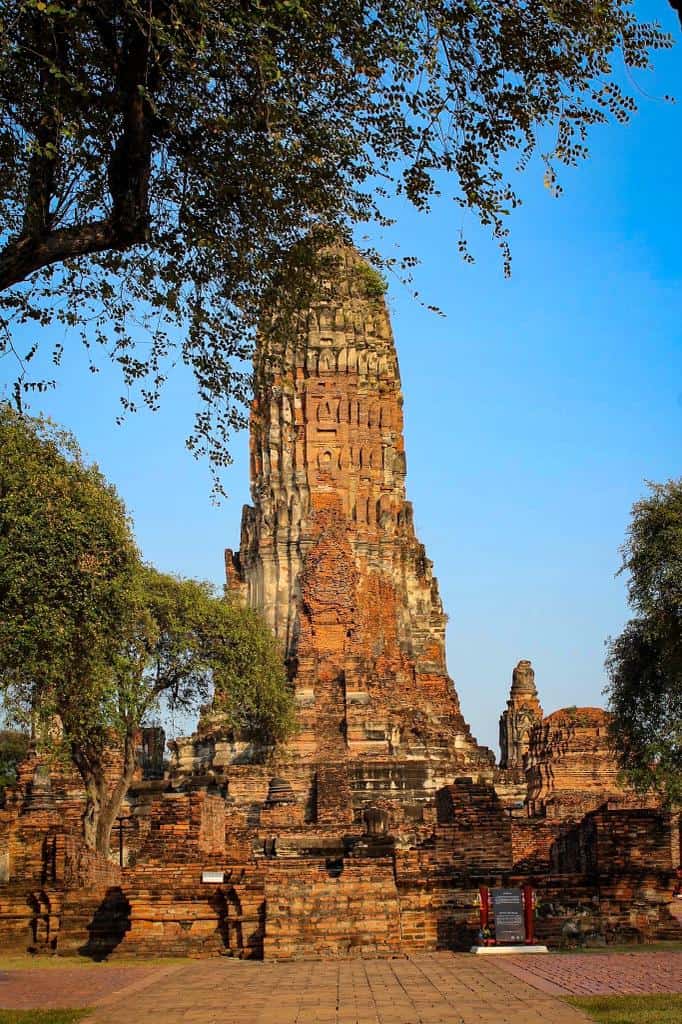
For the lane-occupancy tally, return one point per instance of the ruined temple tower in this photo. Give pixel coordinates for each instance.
(328, 551)
(523, 711)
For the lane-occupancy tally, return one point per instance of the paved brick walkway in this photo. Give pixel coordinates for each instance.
(598, 974)
(438, 988)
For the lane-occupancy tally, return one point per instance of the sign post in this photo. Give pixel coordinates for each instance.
(507, 921)
(484, 913)
(529, 914)
(122, 824)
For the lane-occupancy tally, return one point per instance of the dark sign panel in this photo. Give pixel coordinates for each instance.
(508, 915)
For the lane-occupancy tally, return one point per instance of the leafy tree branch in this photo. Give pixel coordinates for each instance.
(161, 159)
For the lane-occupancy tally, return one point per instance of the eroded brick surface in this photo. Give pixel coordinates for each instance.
(328, 550)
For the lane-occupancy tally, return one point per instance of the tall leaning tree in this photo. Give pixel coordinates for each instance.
(93, 642)
(160, 159)
(645, 662)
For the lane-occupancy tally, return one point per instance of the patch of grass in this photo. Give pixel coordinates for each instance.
(659, 1009)
(42, 1016)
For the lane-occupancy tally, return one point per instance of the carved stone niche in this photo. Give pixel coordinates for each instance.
(375, 840)
(375, 821)
(39, 796)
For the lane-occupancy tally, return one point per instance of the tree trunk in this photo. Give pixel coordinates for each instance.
(105, 823)
(93, 807)
(102, 802)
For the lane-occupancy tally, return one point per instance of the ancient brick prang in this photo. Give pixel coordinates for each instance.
(523, 711)
(328, 551)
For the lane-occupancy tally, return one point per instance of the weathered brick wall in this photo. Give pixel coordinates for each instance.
(616, 841)
(632, 839)
(635, 907)
(570, 767)
(211, 838)
(280, 817)
(332, 905)
(31, 905)
(30, 917)
(173, 913)
(438, 905)
(473, 834)
(531, 842)
(313, 911)
(75, 866)
(333, 794)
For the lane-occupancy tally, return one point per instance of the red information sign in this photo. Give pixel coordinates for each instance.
(507, 916)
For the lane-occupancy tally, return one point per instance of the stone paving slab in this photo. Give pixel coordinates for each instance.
(439, 988)
(597, 974)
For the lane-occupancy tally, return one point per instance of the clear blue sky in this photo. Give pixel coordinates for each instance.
(535, 410)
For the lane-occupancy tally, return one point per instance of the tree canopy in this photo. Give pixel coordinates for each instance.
(93, 642)
(645, 662)
(251, 698)
(68, 564)
(13, 749)
(160, 160)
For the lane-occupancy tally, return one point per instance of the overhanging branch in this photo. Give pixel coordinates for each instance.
(22, 257)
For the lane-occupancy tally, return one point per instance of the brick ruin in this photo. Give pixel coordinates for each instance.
(523, 711)
(370, 831)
